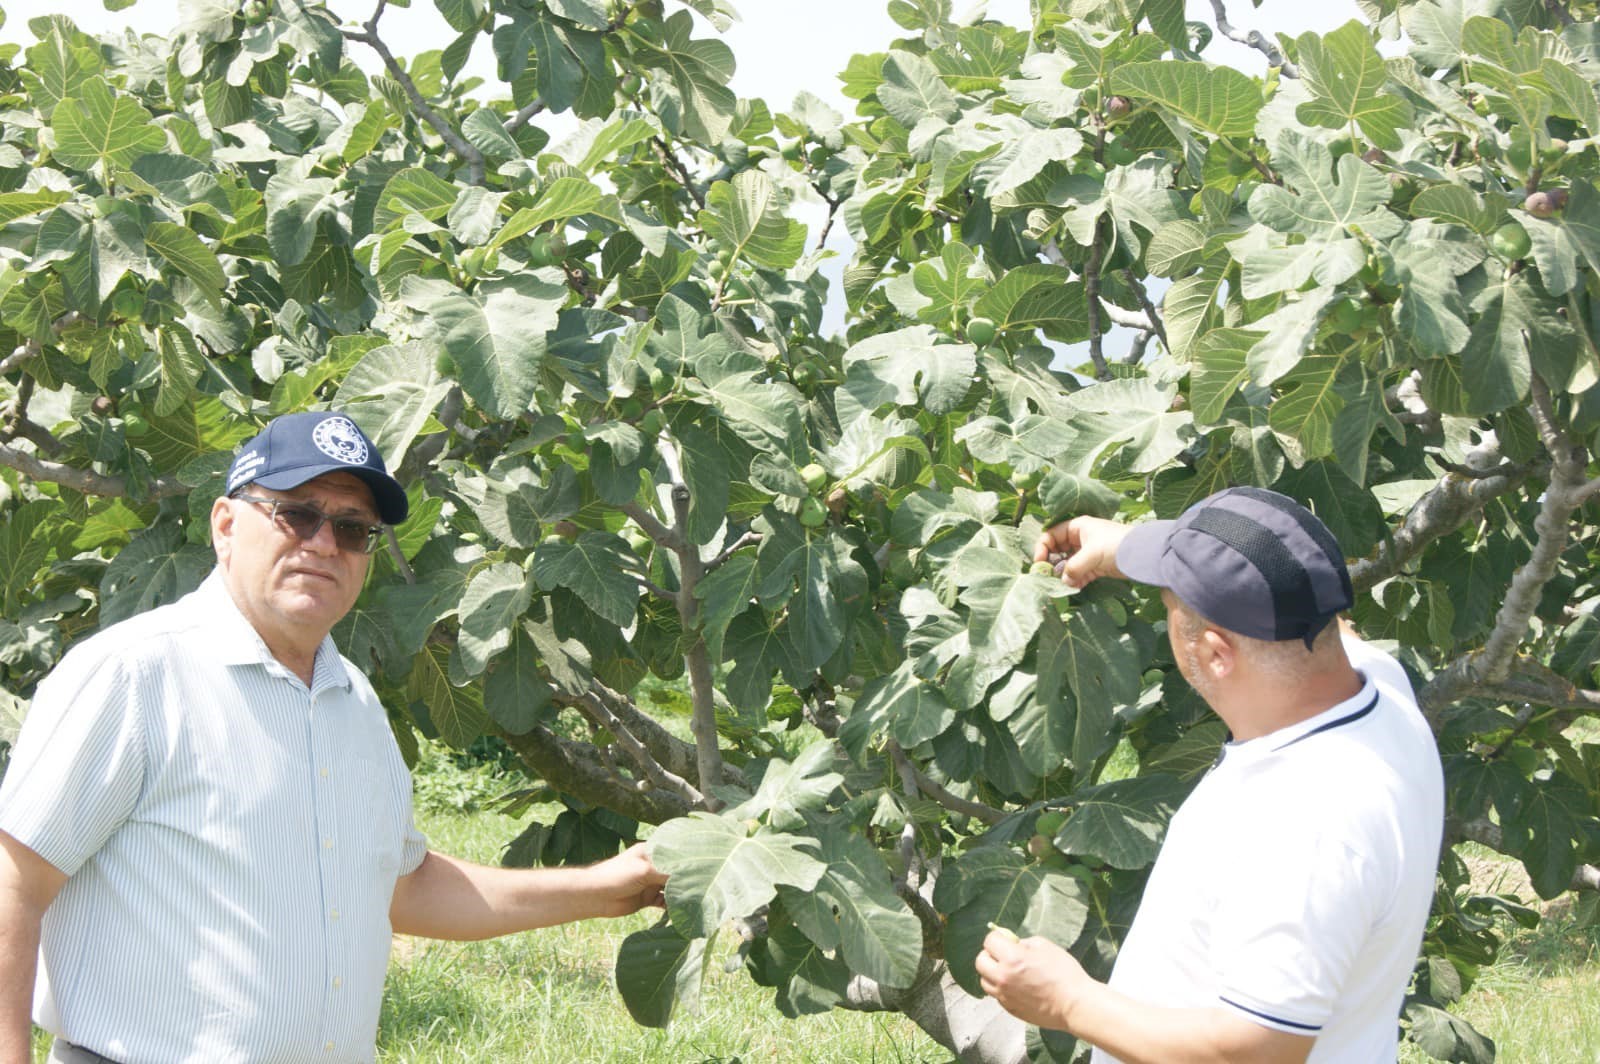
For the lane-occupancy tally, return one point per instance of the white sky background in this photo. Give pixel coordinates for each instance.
(782, 47)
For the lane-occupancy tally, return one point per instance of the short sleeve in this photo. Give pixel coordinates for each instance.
(1289, 928)
(78, 766)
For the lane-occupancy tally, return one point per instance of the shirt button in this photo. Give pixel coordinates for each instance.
(334, 915)
(337, 982)
(327, 1047)
(327, 844)
(323, 771)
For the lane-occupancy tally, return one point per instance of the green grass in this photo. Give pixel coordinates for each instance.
(548, 995)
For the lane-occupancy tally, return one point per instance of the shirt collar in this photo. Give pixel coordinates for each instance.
(233, 640)
(1263, 746)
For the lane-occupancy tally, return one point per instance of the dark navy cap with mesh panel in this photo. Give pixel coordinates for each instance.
(295, 448)
(1248, 560)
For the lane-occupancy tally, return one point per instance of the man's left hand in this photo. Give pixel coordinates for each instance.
(626, 883)
(1033, 979)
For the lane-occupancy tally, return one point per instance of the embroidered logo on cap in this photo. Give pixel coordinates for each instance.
(339, 439)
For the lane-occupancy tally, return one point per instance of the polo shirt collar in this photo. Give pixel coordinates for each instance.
(1349, 711)
(233, 640)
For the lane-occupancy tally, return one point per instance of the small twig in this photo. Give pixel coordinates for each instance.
(1127, 319)
(749, 539)
(398, 555)
(954, 802)
(522, 117)
(1586, 492)
(833, 203)
(23, 352)
(679, 171)
(1505, 469)
(908, 834)
(459, 144)
(1253, 39)
(1136, 350)
(653, 588)
(1150, 310)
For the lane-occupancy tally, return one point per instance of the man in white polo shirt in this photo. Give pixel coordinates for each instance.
(205, 829)
(1282, 918)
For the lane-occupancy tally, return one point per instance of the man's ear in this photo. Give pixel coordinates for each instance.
(222, 517)
(1218, 656)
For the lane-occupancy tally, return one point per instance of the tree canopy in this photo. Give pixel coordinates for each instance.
(1091, 273)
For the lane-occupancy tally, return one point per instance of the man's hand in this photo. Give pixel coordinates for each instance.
(1089, 545)
(627, 882)
(1033, 979)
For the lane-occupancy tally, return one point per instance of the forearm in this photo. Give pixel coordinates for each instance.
(19, 951)
(27, 886)
(1140, 1033)
(453, 899)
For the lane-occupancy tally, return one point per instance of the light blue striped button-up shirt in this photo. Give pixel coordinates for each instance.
(232, 840)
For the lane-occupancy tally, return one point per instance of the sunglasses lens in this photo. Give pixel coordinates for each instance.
(354, 536)
(302, 522)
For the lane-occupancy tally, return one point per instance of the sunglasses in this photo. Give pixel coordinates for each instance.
(356, 537)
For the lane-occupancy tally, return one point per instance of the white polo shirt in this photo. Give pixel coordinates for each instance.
(232, 840)
(1295, 881)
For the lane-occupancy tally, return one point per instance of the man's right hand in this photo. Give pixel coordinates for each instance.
(1089, 545)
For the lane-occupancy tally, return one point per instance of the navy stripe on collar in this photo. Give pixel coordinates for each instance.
(1313, 1027)
(1348, 719)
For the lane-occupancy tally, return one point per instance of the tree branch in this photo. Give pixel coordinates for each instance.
(1253, 39)
(575, 768)
(1552, 527)
(697, 660)
(459, 144)
(597, 710)
(86, 481)
(933, 789)
(1486, 832)
(652, 526)
(1440, 512)
(1526, 681)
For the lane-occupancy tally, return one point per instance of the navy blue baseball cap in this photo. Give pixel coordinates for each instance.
(295, 448)
(1248, 560)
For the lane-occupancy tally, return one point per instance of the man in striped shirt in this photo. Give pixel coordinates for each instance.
(205, 830)
(1282, 918)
